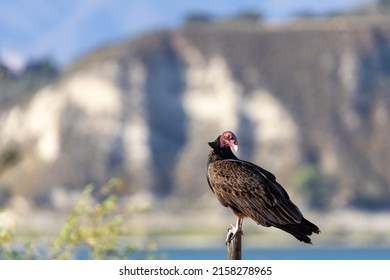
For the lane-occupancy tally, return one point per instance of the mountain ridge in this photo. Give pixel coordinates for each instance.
(308, 104)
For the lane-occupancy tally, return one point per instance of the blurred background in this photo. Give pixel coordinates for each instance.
(133, 90)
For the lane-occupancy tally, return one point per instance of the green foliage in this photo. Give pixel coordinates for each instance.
(94, 226)
(6, 237)
(9, 157)
(9, 251)
(314, 186)
(306, 177)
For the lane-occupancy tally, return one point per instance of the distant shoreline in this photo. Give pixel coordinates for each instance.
(341, 228)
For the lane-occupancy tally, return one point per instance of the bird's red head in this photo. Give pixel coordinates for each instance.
(228, 139)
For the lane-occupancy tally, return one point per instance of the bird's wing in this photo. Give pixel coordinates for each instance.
(252, 191)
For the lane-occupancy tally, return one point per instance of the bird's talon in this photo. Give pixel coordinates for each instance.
(232, 231)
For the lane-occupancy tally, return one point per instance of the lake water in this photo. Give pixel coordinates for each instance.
(278, 254)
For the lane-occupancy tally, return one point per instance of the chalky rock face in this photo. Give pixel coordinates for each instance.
(143, 109)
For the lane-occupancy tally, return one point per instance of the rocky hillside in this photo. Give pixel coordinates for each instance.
(17, 88)
(309, 101)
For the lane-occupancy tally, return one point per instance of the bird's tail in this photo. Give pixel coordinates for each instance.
(301, 231)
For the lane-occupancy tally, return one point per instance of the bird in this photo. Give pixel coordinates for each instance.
(251, 191)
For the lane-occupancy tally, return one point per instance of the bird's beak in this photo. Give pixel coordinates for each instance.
(235, 147)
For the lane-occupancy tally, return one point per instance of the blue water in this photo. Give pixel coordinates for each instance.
(278, 254)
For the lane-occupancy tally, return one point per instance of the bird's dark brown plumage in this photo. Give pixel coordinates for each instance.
(251, 191)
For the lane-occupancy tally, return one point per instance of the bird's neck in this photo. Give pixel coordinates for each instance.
(226, 153)
(221, 154)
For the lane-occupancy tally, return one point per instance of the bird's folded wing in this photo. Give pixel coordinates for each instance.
(253, 191)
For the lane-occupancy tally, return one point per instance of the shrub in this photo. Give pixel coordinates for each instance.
(94, 227)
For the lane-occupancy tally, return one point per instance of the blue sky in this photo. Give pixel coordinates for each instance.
(65, 29)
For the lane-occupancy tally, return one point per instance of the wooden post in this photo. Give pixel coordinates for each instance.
(234, 247)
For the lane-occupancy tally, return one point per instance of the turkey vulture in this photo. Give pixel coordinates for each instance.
(251, 191)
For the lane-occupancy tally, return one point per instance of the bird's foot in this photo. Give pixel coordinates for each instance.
(232, 232)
